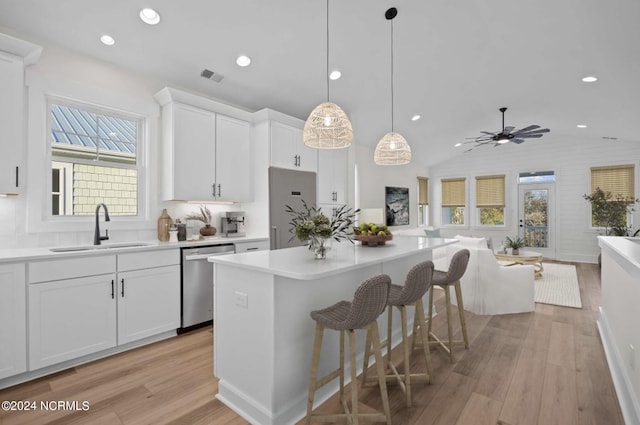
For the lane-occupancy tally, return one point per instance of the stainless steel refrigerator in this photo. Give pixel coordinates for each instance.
(288, 187)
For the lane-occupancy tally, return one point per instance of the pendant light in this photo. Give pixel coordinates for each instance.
(393, 148)
(328, 126)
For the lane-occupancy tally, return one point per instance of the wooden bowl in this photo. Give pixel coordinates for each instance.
(373, 240)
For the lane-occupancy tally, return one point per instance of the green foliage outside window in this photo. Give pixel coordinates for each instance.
(610, 211)
(492, 216)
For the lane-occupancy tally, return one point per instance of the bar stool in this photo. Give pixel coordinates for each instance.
(417, 283)
(369, 302)
(445, 280)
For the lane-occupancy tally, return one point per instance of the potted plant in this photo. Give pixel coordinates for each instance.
(312, 226)
(515, 244)
(203, 215)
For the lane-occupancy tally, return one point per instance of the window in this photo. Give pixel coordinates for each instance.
(423, 201)
(612, 194)
(537, 177)
(453, 201)
(93, 160)
(490, 200)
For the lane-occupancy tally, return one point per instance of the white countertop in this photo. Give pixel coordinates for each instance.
(42, 253)
(627, 248)
(299, 262)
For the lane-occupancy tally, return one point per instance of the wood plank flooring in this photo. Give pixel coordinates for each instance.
(542, 368)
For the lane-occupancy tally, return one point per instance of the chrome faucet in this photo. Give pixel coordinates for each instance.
(96, 235)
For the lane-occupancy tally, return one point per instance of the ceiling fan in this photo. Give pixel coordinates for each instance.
(507, 135)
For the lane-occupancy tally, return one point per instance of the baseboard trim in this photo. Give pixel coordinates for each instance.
(624, 389)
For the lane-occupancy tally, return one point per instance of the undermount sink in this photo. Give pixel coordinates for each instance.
(96, 247)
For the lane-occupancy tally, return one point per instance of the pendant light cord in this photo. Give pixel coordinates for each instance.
(327, 74)
(392, 75)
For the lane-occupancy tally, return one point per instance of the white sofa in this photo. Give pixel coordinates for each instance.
(487, 287)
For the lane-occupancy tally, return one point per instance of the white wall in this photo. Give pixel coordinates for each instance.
(373, 178)
(571, 159)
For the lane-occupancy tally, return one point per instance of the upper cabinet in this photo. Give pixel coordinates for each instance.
(332, 176)
(288, 150)
(15, 54)
(206, 150)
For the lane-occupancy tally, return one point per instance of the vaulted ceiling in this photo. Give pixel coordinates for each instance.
(455, 63)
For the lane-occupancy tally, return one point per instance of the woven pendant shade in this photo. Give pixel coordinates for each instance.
(392, 149)
(328, 127)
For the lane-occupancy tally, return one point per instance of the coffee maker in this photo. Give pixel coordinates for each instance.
(233, 224)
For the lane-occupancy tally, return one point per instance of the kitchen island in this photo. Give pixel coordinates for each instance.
(263, 333)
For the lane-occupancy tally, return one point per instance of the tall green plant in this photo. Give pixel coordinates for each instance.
(610, 211)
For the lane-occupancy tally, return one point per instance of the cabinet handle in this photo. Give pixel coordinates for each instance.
(219, 192)
(16, 176)
(299, 160)
(255, 248)
(122, 288)
(295, 160)
(213, 190)
(274, 237)
(113, 286)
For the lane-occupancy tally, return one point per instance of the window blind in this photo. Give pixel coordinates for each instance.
(423, 191)
(490, 191)
(453, 192)
(617, 179)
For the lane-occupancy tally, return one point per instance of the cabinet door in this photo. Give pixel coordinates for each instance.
(284, 152)
(148, 302)
(251, 246)
(234, 165)
(13, 332)
(307, 157)
(71, 318)
(11, 110)
(193, 153)
(332, 176)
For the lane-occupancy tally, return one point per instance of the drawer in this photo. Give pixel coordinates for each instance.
(252, 246)
(148, 259)
(69, 268)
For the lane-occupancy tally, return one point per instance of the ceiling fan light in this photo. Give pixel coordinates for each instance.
(392, 149)
(502, 140)
(328, 127)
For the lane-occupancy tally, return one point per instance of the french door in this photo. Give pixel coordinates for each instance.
(536, 217)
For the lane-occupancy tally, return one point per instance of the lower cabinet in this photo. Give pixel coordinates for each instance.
(13, 341)
(71, 318)
(148, 302)
(77, 315)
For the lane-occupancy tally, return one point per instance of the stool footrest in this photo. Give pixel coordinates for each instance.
(328, 378)
(367, 417)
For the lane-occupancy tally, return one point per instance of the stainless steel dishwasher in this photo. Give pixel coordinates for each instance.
(197, 284)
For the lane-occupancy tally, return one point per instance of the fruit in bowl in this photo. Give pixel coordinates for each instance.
(371, 234)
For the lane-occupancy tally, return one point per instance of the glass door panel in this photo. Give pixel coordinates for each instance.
(536, 218)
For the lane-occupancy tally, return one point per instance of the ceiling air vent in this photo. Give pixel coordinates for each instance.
(210, 75)
(609, 138)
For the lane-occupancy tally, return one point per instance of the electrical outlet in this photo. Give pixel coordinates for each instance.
(241, 299)
(632, 357)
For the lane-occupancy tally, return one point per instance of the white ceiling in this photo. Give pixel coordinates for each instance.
(456, 62)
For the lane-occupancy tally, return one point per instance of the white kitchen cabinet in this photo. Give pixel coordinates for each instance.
(332, 176)
(206, 150)
(148, 302)
(13, 332)
(71, 318)
(251, 246)
(234, 165)
(11, 123)
(289, 151)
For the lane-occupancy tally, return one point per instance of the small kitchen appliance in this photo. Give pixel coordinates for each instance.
(233, 224)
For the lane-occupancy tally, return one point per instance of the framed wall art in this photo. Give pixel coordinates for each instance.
(397, 205)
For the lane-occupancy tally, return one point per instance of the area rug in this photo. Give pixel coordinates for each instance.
(558, 286)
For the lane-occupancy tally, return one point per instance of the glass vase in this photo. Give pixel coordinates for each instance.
(319, 246)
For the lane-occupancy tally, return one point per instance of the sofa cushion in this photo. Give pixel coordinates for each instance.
(468, 242)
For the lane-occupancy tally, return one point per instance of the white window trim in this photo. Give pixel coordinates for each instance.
(39, 91)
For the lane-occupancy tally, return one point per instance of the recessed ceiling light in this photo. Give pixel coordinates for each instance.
(149, 16)
(415, 117)
(457, 145)
(581, 126)
(107, 39)
(243, 60)
(335, 74)
(590, 79)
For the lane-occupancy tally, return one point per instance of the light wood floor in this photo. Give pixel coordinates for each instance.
(542, 368)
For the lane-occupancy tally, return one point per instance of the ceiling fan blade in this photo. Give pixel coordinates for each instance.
(529, 136)
(539, 131)
(517, 141)
(488, 133)
(508, 130)
(524, 130)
